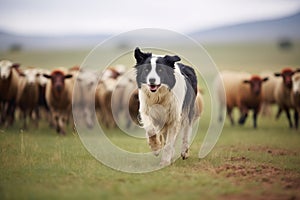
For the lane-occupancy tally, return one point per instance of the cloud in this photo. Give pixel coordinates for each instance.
(93, 16)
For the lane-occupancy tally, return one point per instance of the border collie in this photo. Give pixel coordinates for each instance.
(167, 92)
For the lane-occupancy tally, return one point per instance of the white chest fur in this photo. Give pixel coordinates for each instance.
(163, 106)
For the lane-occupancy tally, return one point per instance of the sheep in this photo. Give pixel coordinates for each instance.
(82, 102)
(282, 94)
(42, 104)
(126, 85)
(295, 95)
(9, 78)
(133, 108)
(104, 92)
(242, 90)
(59, 97)
(28, 87)
(268, 98)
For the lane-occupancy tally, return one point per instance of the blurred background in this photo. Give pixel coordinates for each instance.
(237, 33)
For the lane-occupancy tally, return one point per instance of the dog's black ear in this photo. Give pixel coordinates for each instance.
(171, 59)
(140, 56)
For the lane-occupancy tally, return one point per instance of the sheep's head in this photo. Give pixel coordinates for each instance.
(6, 67)
(286, 74)
(255, 83)
(30, 75)
(58, 79)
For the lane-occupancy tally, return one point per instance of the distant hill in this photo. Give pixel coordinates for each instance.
(9, 40)
(266, 30)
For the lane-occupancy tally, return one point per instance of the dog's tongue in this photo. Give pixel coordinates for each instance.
(153, 88)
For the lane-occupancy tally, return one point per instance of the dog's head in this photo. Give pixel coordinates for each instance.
(155, 71)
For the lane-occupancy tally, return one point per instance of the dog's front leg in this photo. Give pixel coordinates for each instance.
(154, 141)
(169, 148)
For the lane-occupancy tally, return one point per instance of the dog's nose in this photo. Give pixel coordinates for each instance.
(152, 80)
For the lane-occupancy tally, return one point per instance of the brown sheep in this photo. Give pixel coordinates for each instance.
(282, 94)
(242, 91)
(59, 97)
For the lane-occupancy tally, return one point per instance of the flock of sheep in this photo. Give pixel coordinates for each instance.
(253, 92)
(31, 94)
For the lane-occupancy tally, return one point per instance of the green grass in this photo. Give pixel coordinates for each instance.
(39, 164)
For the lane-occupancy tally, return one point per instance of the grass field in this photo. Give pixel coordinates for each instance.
(245, 163)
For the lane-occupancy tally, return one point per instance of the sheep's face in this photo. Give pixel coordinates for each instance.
(42, 81)
(6, 67)
(287, 75)
(30, 76)
(58, 80)
(255, 83)
(88, 80)
(287, 78)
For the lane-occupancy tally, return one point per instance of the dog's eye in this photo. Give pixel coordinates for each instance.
(159, 70)
(146, 70)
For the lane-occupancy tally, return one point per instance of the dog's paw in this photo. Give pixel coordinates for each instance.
(185, 154)
(156, 153)
(155, 144)
(164, 163)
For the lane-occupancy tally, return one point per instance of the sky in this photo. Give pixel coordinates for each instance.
(65, 17)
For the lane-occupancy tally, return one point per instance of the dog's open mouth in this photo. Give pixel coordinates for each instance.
(153, 87)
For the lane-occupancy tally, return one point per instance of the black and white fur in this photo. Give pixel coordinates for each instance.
(167, 92)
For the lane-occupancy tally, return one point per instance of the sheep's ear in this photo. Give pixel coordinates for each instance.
(15, 65)
(47, 76)
(68, 76)
(140, 56)
(22, 74)
(246, 81)
(172, 59)
(277, 74)
(265, 79)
